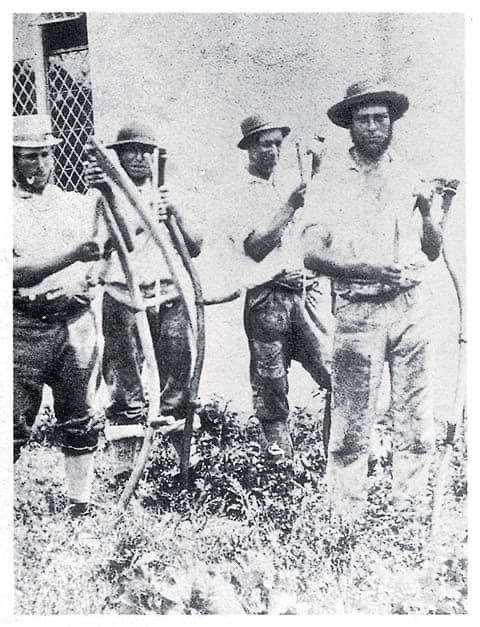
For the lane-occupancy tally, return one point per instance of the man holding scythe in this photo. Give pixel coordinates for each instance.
(168, 318)
(369, 227)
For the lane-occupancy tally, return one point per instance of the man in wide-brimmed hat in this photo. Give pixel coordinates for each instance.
(370, 229)
(286, 311)
(55, 335)
(123, 358)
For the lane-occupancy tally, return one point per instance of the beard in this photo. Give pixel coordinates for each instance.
(371, 147)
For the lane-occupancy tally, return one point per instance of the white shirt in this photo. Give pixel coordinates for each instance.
(367, 215)
(147, 261)
(56, 220)
(252, 202)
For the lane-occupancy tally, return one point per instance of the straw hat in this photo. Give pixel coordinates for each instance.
(256, 123)
(33, 131)
(135, 133)
(358, 93)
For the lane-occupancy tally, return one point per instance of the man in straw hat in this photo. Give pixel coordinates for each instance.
(168, 320)
(286, 313)
(55, 334)
(370, 228)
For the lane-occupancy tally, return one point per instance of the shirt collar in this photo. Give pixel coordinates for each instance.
(257, 180)
(386, 158)
(19, 192)
(146, 186)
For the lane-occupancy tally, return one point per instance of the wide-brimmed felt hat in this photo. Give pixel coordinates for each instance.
(33, 131)
(363, 92)
(135, 133)
(255, 124)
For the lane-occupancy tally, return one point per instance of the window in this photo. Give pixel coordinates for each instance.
(64, 43)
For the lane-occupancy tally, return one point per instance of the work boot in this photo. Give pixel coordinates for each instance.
(277, 438)
(76, 509)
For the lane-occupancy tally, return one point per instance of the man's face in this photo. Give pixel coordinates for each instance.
(135, 160)
(33, 167)
(371, 130)
(264, 152)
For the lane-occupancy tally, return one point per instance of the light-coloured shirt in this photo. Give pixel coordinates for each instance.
(55, 220)
(253, 202)
(366, 214)
(147, 260)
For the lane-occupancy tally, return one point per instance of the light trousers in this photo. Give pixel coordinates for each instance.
(366, 335)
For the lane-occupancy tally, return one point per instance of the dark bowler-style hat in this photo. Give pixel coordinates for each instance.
(255, 124)
(135, 133)
(363, 92)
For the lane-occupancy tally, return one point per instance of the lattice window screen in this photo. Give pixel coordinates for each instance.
(70, 101)
(50, 18)
(24, 91)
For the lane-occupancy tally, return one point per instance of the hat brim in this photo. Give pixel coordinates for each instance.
(144, 141)
(244, 142)
(36, 143)
(341, 113)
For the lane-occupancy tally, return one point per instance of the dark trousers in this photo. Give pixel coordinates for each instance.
(62, 353)
(280, 327)
(123, 359)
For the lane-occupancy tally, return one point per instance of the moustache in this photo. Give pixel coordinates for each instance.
(38, 174)
(140, 166)
(375, 138)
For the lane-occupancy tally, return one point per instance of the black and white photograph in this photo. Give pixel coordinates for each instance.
(238, 377)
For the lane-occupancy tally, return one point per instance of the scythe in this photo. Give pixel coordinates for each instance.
(126, 186)
(117, 232)
(448, 193)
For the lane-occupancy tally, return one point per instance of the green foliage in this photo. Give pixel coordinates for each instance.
(249, 536)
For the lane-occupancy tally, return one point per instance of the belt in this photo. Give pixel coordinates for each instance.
(381, 297)
(293, 285)
(50, 311)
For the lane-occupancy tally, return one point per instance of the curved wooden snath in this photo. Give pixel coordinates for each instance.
(448, 194)
(116, 229)
(159, 236)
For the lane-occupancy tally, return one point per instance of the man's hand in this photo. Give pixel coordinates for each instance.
(108, 248)
(297, 197)
(93, 172)
(88, 251)
(424, 195)
(389, 273)
(164, 205)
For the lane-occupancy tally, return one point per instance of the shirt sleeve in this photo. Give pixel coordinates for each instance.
(239, 211)
(315, 224)
(191, 208)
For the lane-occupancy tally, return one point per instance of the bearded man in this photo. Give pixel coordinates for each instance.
(370, 229)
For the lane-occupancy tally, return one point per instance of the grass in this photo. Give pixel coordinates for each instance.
(248, 536)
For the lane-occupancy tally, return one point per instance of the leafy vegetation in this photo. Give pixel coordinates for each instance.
(249, 536)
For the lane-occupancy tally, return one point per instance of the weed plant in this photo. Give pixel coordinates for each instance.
(248, 536)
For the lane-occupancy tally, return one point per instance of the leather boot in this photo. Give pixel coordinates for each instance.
(278, 437)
